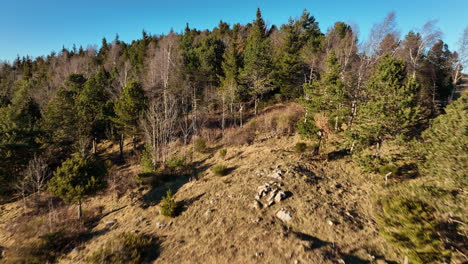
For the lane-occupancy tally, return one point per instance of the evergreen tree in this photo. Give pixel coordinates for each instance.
(445, 147)
(257, 61)
(289, 67)
(77, 178)
(18, 134)
(329, 95)
(390, 108)
(60, 124)
(128, 110)
(90, 105)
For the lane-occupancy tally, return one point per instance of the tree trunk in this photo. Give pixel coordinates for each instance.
(94, 146)
(256, 105)
(223, 122)
(240, 114)
(121, 145)
(80, 212)
(133, 145)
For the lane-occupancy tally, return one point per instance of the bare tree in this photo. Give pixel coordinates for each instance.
(159, 125)
(34, 178)
(416, 47)
(460, 62)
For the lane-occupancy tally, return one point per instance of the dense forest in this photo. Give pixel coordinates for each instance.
(389, 91)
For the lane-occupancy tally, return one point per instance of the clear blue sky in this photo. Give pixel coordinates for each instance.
(36, 27)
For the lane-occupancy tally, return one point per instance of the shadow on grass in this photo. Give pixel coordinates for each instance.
(185, 204)
(154, 196)
(316, 243)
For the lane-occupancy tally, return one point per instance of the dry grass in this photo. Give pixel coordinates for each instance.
(218, 224)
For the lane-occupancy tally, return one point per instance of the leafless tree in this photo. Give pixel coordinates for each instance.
(34, 178)
(159, 125)
(461, 61)
(427, 36)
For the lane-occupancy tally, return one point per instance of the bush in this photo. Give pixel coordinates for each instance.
(220, 170)
(200, 145)
(368, 162)
(146, 160)
(300, 147)
(390, 167)
(409, 225)
(126, 248)
(169, 207)
(222, 153)
(307, 130)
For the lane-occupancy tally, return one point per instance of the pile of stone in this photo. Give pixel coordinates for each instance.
(272, 192)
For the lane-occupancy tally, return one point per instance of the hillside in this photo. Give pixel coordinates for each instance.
(329, 201)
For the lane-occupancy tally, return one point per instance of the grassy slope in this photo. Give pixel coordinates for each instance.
(219, 224)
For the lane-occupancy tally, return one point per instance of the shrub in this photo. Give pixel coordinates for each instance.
(169, 207)
(368, 162)
(307, 130)
(200, 145)
(126, 248)
(146, 160)
(222, 153)
(220, 170)
(409, 225)
(387, 168)
(300, 147)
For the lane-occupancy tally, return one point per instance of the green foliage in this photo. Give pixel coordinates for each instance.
(222, 153)
(19, 130)
(307, 130)
(147, 160)
(220, 170)
(330, 94)
(387, 168)
(169, 207)
(445, 146)
(257, 59)
(129, 108)
(368, 162)
(300, 147)
(200, 145)
(390, 109)
(410, 225)
(126, 248)
(77, 178)
(90, 105)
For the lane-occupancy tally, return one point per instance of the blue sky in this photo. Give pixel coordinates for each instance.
(33, 27)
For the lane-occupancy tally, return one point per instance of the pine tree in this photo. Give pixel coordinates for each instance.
(391, 107)
(90, 105)
(288, 64)
(329, 94)
(128, 110)
(77, 178)
(257, 61)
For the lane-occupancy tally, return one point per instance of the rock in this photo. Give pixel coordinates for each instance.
(110, 223)
(280, 196)
(284, 215)
(212, 201)
(258, 220)
(270, 203)
(258, 254)
(276, 175)
(135, 231)
(330, 222)
(160, 225)
(208, 212)
(257, 204)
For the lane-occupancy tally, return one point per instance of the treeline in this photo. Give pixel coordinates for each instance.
(163, 88)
